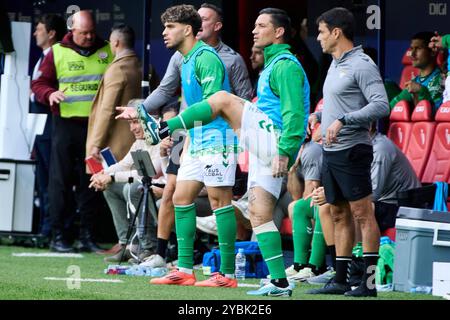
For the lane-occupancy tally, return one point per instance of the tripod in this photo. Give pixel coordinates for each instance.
(143, 163)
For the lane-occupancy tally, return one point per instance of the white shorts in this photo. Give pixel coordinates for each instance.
(261, 140)
(213, 170)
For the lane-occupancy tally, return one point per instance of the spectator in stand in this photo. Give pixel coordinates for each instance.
(427, 85)
(443, 42)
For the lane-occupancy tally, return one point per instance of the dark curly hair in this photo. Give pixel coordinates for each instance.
(185, 14)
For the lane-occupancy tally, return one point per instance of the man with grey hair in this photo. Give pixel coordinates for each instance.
(69, 77)
(122, 195)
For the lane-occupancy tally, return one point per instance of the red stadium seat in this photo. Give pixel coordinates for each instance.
(438, 166)
(421, 139)
(399, 133)
(443, 114)
(286, 227)
(319, 106)
(400, 128)
(422, 112)
(406, 59)
(401, 112)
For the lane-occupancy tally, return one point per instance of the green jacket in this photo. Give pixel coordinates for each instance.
(286, 81)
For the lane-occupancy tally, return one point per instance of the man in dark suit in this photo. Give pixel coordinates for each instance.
(49, 30)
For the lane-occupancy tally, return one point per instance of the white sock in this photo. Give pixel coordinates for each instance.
(185, 270)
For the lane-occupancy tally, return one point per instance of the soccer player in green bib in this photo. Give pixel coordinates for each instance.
(210, 159)
(272, 130)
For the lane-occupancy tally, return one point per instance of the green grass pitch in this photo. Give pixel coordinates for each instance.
(23, 278)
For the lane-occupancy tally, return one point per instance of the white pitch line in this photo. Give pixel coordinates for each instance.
(248, 285)
(83, 280)
(48, 255)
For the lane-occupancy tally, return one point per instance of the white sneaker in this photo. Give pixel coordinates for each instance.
(154, 261)
(271, 290)
(289, 272)
(302, 275)
(242, 206)
(265, 281)
(323, 278)
(207, 224)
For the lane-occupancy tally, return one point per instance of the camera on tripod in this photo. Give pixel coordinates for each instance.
(146, 170)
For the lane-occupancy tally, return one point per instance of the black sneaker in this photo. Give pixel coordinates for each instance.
(356, 271)
(331, 287)
(60, 246)
(89, 246)
(361, 291)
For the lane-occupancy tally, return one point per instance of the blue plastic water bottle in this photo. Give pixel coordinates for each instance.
(421, 289)
(240, 264)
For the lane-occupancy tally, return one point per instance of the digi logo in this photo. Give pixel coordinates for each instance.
(437, 9)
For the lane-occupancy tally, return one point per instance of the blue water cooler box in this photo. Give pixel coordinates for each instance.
(422, 239)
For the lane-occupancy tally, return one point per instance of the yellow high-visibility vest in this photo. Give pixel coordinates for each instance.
(80, 77)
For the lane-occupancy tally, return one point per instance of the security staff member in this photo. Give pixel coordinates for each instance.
(69, 78)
